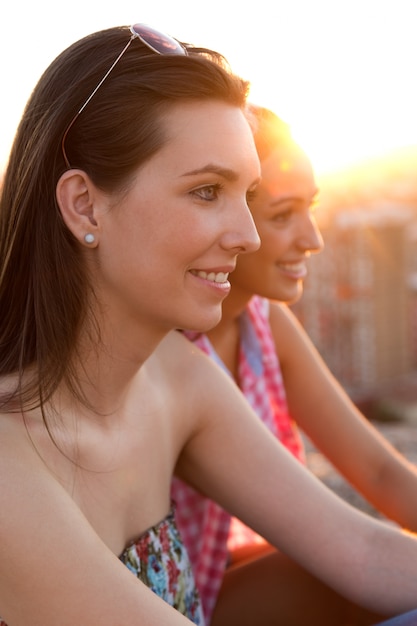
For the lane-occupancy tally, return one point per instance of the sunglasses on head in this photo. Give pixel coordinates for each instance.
(158, 42)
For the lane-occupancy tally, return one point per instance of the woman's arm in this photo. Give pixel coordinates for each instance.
(326, 414)
(54, 569)
(235, 460)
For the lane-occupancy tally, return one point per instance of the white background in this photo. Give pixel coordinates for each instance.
(342, 73)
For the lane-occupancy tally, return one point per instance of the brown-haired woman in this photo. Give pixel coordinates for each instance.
(123, 210)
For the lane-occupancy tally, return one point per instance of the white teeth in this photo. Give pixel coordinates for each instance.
(293, 266)
(220, 277)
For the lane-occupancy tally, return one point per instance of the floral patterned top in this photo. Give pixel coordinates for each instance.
(159, 559)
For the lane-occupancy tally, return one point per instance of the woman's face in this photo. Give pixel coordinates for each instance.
(282, 211)
(167, 246)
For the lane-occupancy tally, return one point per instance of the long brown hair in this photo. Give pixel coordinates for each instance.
(44, 286)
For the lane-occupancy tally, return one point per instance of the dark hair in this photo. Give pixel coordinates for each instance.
(44, 286)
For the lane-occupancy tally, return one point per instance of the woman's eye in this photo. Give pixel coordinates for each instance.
(251, 195)
(208, 192)
(283, 216)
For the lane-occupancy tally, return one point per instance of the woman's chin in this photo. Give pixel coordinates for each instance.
(291, 296)
(204, 323)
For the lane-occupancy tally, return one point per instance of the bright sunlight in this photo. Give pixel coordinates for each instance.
(341, 74)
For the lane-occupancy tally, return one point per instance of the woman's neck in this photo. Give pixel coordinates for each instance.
(225, 337)
(107, 369)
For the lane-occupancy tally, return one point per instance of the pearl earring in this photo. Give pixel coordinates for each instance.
(89, 238)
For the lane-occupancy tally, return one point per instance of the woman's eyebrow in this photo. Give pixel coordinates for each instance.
(211, 168)
(293, 195)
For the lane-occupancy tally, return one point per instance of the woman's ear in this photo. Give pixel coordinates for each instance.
(76, 195)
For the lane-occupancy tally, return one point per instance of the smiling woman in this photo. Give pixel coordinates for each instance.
(113, 220)
(115, 217)
(260, 345)
(198, 202)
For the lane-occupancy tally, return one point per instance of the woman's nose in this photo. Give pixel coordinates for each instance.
(242, 235)
(310, 239)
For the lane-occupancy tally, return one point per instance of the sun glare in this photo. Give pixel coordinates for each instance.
(344, 85)
(332, 151)
(339, 135)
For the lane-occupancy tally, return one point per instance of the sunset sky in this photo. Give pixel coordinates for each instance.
(341, 73)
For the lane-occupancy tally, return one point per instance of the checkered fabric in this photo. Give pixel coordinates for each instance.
(204, 528)
(207, 530)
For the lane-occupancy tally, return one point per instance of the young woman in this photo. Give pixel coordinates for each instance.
(263, 348)
(126, 189)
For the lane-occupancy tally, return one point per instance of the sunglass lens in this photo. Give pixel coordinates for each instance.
(157, 41)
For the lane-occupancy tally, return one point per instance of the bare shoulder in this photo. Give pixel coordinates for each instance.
(198, 381)
(21, 463)
(281, 316)
(17, 448)
(182, 358)
(286, 329)
(14, 437)
(22, 474)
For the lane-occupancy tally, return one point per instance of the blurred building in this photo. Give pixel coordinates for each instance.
(360, 299)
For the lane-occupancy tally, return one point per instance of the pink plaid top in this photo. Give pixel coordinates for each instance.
(207, 530)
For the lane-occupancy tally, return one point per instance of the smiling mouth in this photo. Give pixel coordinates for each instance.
(293, 267)
(214, 277)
